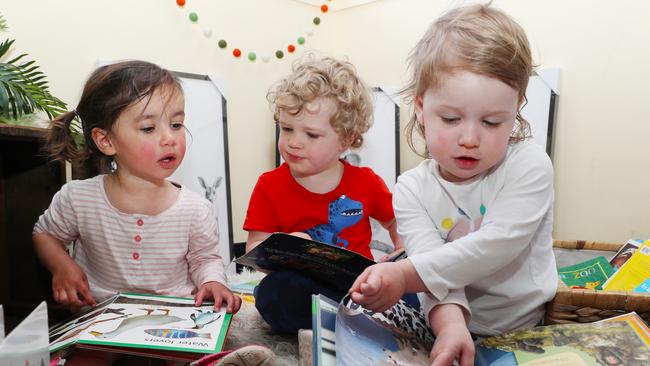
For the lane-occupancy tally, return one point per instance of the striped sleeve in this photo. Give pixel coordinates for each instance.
(59, 220)
(205, 263)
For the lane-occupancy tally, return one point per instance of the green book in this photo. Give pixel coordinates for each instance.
(590, 274)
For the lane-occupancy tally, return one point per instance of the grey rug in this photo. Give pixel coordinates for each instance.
(248, 327)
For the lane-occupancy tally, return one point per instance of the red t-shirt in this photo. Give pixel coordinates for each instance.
(339, 217)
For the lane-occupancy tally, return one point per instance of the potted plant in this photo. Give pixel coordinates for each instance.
(23, 87)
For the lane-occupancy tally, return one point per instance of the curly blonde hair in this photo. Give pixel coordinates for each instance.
(326, 77)
(478, 39)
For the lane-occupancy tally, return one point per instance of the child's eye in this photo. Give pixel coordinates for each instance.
(286, 129)
(177, 125)
(449, 119)
(147, 129)
(491, 123)
(312, 136)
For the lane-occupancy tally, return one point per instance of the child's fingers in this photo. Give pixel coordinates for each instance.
(237, 304)
(372, 285)
(198, 298)
(73, 299)
(87, 296)
(218, 301)
(231, 302)
(466, 357)
(356, 286)
(60, 296)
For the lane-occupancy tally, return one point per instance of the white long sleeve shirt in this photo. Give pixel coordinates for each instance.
(171, 253)
(484, 244)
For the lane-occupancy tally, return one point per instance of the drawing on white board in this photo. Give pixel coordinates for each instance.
(210, 189)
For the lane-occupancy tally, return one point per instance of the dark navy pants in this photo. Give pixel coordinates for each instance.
(284, 300)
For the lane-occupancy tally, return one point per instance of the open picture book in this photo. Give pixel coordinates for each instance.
(621, 340)
(347, 334)
(155, 326)
(333, 265)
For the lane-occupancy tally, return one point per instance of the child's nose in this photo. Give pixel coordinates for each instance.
(469, 135)
(167, 137)
(294, 141)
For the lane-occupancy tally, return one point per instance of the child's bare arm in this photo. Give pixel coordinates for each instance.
(380, 286)
(453, 340)
(256, 237)
(69, 282)
(391, 227)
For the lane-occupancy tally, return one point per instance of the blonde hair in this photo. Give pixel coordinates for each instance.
(326, 77)
(478, 39)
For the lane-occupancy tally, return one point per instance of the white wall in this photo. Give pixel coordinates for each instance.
(602, 48)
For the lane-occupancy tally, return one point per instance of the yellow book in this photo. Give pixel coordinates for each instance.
(633, 272)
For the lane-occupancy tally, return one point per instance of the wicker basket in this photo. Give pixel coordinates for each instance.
(586, 306)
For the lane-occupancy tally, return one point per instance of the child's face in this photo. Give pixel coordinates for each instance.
(308, 142)
(467, 123)
(148, 138)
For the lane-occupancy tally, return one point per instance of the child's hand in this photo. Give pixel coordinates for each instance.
(453, 343)
(219, 293)
(379, 287)
(453, 340)
(70, 286)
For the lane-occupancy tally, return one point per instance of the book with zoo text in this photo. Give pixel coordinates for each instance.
(155, 326)
(333, 265)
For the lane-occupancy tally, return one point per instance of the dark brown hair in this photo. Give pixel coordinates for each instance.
(107, 93)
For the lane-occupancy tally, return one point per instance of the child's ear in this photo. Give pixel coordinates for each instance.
(418, 110)
(102, 141)
(346, 143)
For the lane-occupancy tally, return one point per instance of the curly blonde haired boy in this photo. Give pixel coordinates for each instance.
(322, 109)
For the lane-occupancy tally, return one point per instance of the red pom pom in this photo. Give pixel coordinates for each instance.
(324, 8)
(180, 2)
(236, 52)
(291, 48)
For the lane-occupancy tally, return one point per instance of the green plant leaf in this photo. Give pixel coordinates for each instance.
(24, 88)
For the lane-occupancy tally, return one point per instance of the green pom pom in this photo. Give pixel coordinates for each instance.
(301, 40)
(222, 43)
(252, 56)
(194, 17)
(317, 20)
(279, 54)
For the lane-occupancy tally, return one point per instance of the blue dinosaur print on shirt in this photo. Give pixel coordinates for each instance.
(343, 212)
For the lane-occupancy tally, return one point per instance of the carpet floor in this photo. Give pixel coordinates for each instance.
(248, 327)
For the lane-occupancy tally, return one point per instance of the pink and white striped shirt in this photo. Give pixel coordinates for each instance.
(171, 253)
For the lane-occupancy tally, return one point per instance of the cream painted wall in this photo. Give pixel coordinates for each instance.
(601, 161)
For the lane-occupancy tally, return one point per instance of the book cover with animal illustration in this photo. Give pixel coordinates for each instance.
(159, 326)
(624, 253)
(602, 343)
(633, 273)
(330, 264)
(591, 274)
(397, 336)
